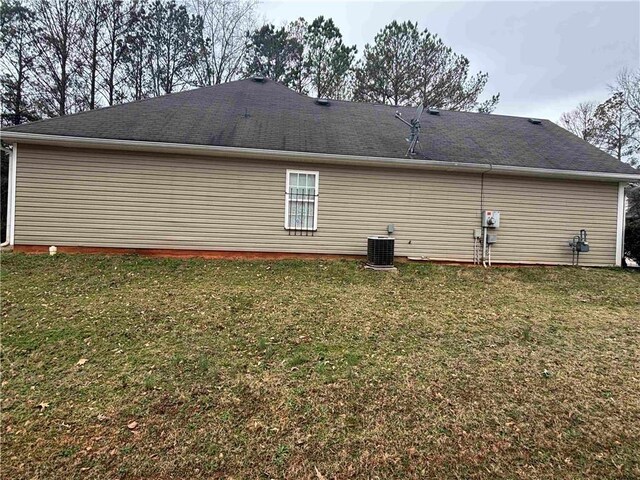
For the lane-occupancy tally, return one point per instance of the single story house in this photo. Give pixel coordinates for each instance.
(251, 167)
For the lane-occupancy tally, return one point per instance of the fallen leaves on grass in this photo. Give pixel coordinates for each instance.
(319, 475)
(312, 372)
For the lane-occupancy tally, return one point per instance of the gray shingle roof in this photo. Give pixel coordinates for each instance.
(269, 116)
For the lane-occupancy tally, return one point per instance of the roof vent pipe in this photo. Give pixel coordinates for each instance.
(258, 78)
(434, 111)
(322, 101)
(535, 121)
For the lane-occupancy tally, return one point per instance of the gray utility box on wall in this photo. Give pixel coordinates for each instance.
(491, 219)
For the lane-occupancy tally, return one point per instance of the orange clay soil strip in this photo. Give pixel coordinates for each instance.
(181, 253)
(238, 255)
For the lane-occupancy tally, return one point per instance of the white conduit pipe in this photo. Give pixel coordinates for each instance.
(475, 250)
(484, 247)
(484, 229)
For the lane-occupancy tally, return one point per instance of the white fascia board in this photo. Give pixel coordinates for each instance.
(262, 154)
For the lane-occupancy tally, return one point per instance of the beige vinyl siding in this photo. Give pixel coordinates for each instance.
(136, 200)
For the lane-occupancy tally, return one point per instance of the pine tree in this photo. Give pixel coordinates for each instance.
(389, 70)
(328, 61)
(273, 53)
(405, 66)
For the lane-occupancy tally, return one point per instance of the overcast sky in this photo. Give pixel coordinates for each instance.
(543, 57)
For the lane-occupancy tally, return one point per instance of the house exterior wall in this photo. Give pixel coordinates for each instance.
(94, 198)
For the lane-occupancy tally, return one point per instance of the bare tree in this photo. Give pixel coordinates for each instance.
(135, 54)
(173, 39)
(94, 14)
(628, 82)
(613, 125)
(226, 23)
(58, 31)
(628, 85)
(582, 121)
(618, 129)
(17, 55)
(118, 21)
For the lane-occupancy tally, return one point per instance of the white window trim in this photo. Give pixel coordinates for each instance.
(315, 203)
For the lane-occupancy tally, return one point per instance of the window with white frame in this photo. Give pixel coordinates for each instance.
(301, 203)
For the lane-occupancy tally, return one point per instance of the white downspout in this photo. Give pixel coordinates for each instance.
(11, 197)
(620, 224)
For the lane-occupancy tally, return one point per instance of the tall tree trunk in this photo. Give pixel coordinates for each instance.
(19, 89)
(112, 70)
(62, 110)
(64, 80)
(94, 56)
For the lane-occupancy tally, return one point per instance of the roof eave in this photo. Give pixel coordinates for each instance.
(261, 154)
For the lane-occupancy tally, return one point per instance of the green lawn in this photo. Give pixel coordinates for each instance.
(316, 370)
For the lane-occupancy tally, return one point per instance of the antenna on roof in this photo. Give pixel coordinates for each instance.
(414, 125)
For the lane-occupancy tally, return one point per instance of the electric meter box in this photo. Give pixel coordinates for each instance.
(491, 219)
